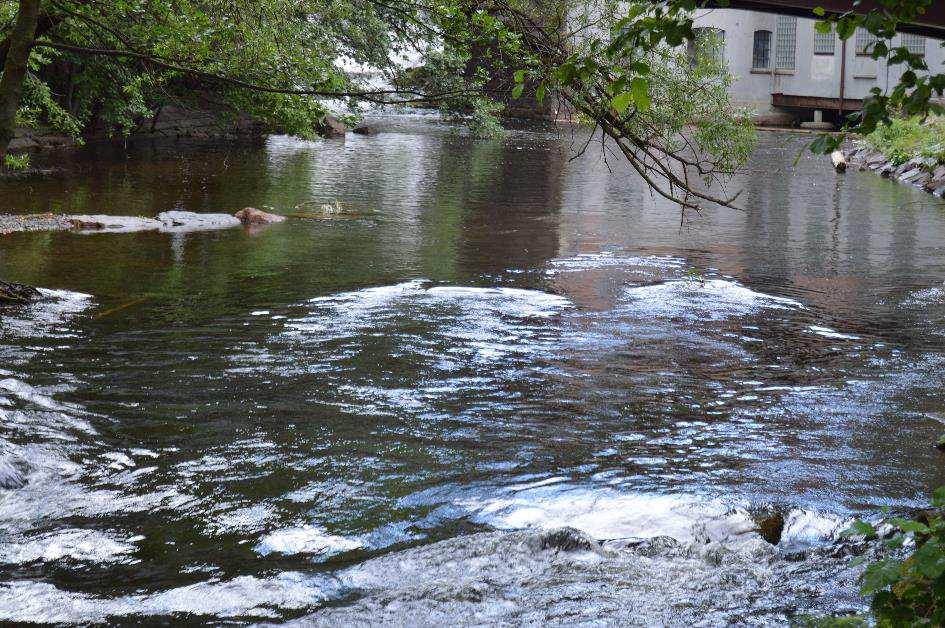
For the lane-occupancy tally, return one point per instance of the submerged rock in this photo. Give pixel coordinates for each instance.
(253, 216)
(12, 472)
(12, 293)
(565, 540)
(770, 524)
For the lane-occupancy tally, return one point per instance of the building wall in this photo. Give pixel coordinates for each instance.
(813, 74)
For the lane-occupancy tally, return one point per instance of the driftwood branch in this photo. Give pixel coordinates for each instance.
(15, 293)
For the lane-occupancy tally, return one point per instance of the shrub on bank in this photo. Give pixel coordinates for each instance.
(906, 138)
(906, 588)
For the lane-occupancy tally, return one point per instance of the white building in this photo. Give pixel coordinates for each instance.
(783, 65)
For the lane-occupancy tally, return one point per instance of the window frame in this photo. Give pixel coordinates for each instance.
(767, 51)
(783, 37)
(869, 40)
(910, 42)
(822, 37)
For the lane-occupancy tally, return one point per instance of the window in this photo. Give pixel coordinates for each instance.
(761, 52)
(864, 42)
(914, 43)
(786, 42)
(709, 42)
(824, 43)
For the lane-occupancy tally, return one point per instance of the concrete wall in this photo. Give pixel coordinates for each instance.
(813, 74)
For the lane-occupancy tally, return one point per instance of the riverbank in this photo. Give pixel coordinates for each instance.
(921, 172)
(167, 122)
(907, 150)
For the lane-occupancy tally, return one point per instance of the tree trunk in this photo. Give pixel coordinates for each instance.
(14, 69)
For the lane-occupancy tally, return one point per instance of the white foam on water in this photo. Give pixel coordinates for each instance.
(607, 259)
(826, 332)
(306, 540)
(513, 302)
(606, 513)
(42, 602)
(808, 528)
(244, 520)
(928, 296)
(84, 545)
(46, 316)
(445, 328)
(34, 396)
(350, 313)
(693, 300)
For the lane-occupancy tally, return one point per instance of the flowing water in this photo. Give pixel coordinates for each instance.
(372, 418)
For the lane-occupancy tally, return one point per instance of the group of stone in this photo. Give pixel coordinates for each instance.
(922, 172)
(173, 221)
(165, 222)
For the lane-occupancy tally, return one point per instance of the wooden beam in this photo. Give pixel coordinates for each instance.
(816, 102)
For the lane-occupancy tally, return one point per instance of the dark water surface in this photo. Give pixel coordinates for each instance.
(218, 426)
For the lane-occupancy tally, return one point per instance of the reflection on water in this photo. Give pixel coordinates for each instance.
(243, 425)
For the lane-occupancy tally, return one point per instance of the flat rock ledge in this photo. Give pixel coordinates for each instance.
(166, 222)
(921, 172)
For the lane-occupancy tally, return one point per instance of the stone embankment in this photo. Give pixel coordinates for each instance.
(921, 172)
(167, 122)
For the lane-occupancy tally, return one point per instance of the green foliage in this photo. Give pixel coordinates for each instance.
(484, 122)
(17, 163)
(909, 591)
(37, 106)
(169, 52)
(901, 139)
(286, 113)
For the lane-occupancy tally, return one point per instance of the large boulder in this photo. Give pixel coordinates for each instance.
(253, 216)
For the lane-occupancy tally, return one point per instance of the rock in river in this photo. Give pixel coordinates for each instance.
(168, 222)
(100, 223)
(365, 129)
(253, 216)
(182, 222)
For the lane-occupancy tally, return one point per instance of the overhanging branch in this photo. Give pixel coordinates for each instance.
(376, 96)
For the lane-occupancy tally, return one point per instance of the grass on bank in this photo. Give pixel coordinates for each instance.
(906, 138)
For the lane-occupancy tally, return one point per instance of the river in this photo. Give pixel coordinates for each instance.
(370, 418)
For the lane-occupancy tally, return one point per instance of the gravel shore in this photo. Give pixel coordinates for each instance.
(10, 223)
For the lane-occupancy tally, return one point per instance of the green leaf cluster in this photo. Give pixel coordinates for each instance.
(908, 591)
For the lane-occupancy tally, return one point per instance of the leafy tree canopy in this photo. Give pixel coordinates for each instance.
(622, 66)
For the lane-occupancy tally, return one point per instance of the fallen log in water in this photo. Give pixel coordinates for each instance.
(16, 293)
